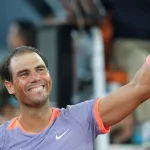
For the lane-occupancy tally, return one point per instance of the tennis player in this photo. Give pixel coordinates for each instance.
(40, 127)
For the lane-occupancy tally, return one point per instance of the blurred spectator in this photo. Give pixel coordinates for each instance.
(22, 32)
(131, 40)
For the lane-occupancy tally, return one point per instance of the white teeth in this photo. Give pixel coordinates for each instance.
(36, 89)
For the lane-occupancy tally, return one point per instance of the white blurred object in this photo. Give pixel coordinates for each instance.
(99, 81)
(98, 63)
(112, 86)
(126, 147)
(146, 133)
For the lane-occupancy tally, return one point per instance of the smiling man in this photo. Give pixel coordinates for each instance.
(31, 85)
(74, 128)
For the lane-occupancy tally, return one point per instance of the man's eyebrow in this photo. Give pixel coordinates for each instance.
(40, 66)
(21, 71)
(25, 70)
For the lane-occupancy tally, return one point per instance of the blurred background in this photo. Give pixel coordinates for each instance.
(92, 46)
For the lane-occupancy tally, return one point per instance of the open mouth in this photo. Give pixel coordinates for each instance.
(36, 89)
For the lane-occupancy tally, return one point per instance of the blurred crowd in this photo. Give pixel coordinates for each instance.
(125, 30)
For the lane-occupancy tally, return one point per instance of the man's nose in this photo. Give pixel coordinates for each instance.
(34, 77)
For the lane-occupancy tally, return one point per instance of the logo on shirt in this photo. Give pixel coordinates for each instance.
(58, 137)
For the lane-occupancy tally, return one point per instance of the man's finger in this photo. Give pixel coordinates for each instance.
(148, 60)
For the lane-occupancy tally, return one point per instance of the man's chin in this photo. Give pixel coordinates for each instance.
(39, 102)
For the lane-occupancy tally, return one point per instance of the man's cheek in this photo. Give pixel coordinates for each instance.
(20, 85)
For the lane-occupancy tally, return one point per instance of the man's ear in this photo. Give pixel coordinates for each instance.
(10, 87)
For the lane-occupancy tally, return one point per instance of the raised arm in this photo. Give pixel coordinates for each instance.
(119, 104)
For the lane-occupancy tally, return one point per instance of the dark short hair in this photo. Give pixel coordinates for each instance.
(27, 30)
(5, 70)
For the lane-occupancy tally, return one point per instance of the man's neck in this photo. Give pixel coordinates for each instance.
(35, 120)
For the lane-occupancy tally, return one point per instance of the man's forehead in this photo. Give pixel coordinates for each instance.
(25, 60)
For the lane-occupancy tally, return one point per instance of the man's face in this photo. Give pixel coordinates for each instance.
(31, 80)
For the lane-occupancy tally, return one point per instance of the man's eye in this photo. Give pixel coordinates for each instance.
(24, 74)
(41, 69)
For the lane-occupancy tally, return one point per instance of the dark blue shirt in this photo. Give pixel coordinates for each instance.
(131, 18)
